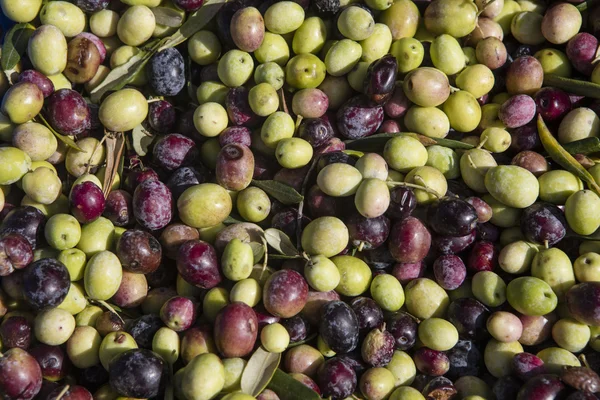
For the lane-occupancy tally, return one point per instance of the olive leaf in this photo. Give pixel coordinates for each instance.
(115, 142)
(583, 146)
(259, 371)
(258, 251)
(562, 157)
(354, 153)
(376, 143)
(230, 220)
(141, 140)
(280, 242)
(306, 340)
(167, 16)
(65, 139)
(280, 191)
(122, 75)
(581, 88)
(586, 5)
(287, 388)
(196, 22)
(15, 44)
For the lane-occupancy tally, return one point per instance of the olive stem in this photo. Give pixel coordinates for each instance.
(361, 246)
(454, 89)
(415, 186)
(153, 100)
(546, 244)
(63, 392)
(89, 164)
(584, 360)
(284, 106)
(480, 145)
(266, 256)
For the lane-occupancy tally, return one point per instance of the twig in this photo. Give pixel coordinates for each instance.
(63, 392)
(284, 106)
(300, 214)
(414, 186)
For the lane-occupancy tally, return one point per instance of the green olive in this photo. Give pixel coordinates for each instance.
(237, 260)
(489, 288)
(409, 53)
(253, 204)
(211, 91)
(498, 357)
(322, 274)
(403, 153)
(463, 111)
(166, 344)
(325, 236)
(247, 291)
(432, 179)
(54, 326)
(293, 153)
(83, 347)
(556, 358)
(444, 160)
(355, 275)
(21, 10)
(579, 212)
(123, 110)
(91, 153)
(204, 47)
(276, 127)
(136, 25)
(512, 185)
(438, 334)
(402, 18)
(342, 57)
(204, 205)
(14, 163)
(447, 55)
(428, 121)
(387, 291)
(102, 276)
(339, 179)
(204, 377)
(22, 102)
(426, 299)
(103, 23)
(476, 79)
(377, 45)
(275, 338)
(556, 186)
(403, 368)
(274, 48)
(310, 36)
(75, 301)
(35, 139)
(294, 17)
(427, 87)
(65, 16)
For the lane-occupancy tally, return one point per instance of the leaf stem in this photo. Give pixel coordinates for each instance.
(63, 392)
(414, 186)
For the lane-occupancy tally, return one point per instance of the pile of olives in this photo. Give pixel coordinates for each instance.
(369, 190)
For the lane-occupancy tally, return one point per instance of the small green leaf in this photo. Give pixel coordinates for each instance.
(122, 75)
(583, 146)
(259, 371)
(258, 251)
(196, 22)
(230, 220)
(65, 139)
(287, 388)
(168, 16)
(280, 242)
(586, 5)
(141, 140)
(562, 157)
(280, 191)
(15, 44)
(376, 143)
(581, 88)
(354, 153)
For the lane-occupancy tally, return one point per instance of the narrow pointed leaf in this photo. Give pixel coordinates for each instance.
(258, 251)
(280, 191)
(562, 157)
(280, 242)
(583, 146)
(196, 22)
(141, 140)
(287, 388)
(15, 44)
(65, 139)
(167, 16)
(581, 88)
(259, 371)
(376, 143)
(120, 76)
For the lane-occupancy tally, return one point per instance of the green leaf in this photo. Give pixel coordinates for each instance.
(65, 139)
(280, 191)
(583, 146)
(168, 16)
(581, 88)
(196, 22)
(259, 371)
(141, 140)
(287, 388)
(562, 157)
(586, 5)
(354, 153)
(376, 143)
(230, 220)
(121, 76)
(15, 44)
(258, 251)
(308, 339)
(280, 242)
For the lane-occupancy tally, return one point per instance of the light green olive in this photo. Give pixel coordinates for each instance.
(247, 291)
(234, 367)
(237, 260)
(326, 236)
(377, 45)
(556, 186)
(321, 274)
(531, 296)
(409, 53)
(88, 316)
(74, 260)
(270, 73)
(22, 102)
(428, 121)
(516, 257)
(447, 55)
(83, 347)
(310, 36)
(580, 123)
(75, 301)
(426, 299)
(372, 198)
(554, 267)
(54, 326)
(526, 27)
(342, 57)
(438, 334)
(355, 23)
(489, 288)
(275, 338)
(387, 291)
(65, 16)
(276, 127)
(253, 204)
(166, 344)
(502, 215)
(293, 153)
(476, 79)
(136, 25)
(274, 48)
(579, 212)
(21, 10)
(103, 23)
(402, 18)
(357, 76)
(339, 179)
(102, 276)
(204, 47)
(463, 111)
(355, 275)
(512, 185)
(211, 91)
(204, 377)
(496, 140)
(120, 56)
(42, 185)
(554, 62)
(498, 357)
(430, 178)
(403, 153)
(276, 23)
(204, 205)
(556, 358)
(444, 160)
(123, 110)
(402, 367)
(210, 119)
(14, 163)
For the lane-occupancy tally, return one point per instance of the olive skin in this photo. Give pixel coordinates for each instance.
(137, 373)
(339, 327)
